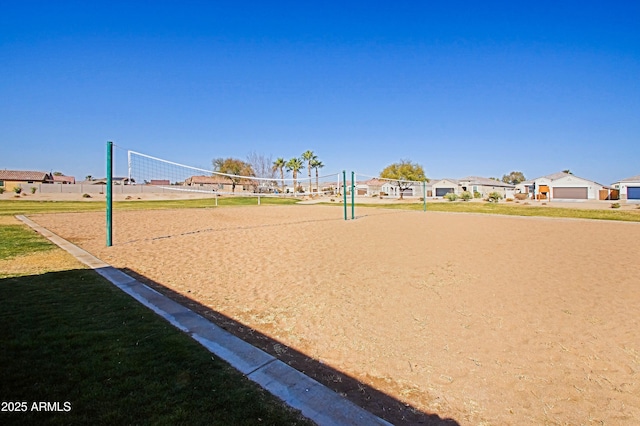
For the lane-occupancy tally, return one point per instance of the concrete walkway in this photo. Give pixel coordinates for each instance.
(314, 400)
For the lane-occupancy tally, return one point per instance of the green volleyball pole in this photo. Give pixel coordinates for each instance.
(109, 192)
(344, 192)
(424, 195)
(353, 178)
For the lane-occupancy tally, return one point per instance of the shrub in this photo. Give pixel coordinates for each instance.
(451, 196)
(33, 189)
(476, 194)
(615, 205)
(494, 197)
(86, 196)
(17, 189)
(1, 190)
(466, 196)
(521, 196)
(509, 199)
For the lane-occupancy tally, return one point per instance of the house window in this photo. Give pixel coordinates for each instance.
(1, 183)
(221, 186)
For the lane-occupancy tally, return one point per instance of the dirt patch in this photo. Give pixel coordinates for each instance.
(482, 319)
(39, 263)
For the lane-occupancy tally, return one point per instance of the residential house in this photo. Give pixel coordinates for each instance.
(485, 186)
(9, 179)
(442, 187)
(629, 188)
(481, 187)
(380, 187)
(370, 188)
(114, 180)
(220, 184)
(561, 186)
(64, 180)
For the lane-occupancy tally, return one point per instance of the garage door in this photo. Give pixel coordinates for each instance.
(441, 192)
(633, 192)
(568, 193)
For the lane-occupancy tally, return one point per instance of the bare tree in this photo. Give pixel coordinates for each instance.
(262, 166)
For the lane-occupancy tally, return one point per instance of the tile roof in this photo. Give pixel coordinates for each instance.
(631, 179)
(555, 176)
(27, 175)
(560, 175)
(69, 179)
(478, 180)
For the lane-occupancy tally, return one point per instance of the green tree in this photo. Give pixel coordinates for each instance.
(567, 171)
(294, 165)
(317, 164)
(514, 178)
(233, 169)
(279, 165)
(405, 173)
(309, 156)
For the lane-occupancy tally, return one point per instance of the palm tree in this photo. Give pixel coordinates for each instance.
(316, 164)
(309, 156)
(279, 165)
(295, 165)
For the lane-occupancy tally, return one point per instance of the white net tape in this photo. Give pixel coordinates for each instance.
(147, 170)
(374, 186)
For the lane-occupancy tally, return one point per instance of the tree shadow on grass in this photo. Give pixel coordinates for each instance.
(375, 401)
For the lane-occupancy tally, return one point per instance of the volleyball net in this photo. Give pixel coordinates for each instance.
(152, 174)
(168, 175)
(375, 186)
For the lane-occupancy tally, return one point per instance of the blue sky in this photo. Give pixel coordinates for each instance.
(463, 88)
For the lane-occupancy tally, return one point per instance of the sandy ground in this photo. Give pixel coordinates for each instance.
(478, 318)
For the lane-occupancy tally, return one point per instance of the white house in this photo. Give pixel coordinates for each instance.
(561, 186)
(485, 186)
(414, 190)
(442, 187)
(473, 184)
(629, 188)
(376, 186)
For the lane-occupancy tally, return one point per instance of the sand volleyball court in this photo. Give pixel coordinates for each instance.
(482, 319)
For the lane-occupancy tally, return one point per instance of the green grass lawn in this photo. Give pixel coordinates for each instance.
(74, 339)
(14, 207)
(15, 241)
(514, 209)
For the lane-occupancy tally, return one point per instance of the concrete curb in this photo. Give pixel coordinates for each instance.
(314, 400)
